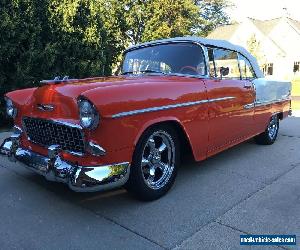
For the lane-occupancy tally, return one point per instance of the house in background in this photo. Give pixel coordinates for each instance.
(275, 43)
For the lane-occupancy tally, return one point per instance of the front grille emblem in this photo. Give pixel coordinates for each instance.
(45, 107)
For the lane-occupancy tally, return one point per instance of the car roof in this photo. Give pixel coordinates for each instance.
(207, 42)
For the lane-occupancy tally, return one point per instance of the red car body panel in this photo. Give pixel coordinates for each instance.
(210, 127)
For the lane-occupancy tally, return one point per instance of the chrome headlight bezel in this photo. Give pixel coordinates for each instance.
(88, 115)
(11, 109)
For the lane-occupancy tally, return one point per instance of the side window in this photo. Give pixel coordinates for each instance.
(246, 68)
(227, 59)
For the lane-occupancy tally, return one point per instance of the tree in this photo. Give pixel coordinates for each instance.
(213, 14)
(145, 20)
(254, 47)
(136, 15)
(42, 39)
(171, 18)
(80, 38)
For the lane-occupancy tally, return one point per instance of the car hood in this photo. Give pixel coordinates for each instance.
(63, 96)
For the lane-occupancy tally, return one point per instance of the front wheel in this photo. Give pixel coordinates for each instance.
(155, 162)
(269, 136)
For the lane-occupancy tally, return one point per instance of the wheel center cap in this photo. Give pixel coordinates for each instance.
(156, 157)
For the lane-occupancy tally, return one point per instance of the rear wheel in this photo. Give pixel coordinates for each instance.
(269, 136)
(155, 162)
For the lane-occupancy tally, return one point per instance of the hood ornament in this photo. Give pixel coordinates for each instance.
(56, 80)
(45, 107)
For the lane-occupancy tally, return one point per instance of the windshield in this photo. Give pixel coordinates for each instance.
(173, 58)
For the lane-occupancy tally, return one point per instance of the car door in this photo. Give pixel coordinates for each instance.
(229, 116)
(247, 77)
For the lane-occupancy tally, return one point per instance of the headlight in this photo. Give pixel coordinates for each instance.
(89, 117)
(11, 110)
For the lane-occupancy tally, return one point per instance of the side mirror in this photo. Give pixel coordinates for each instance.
(224, 71)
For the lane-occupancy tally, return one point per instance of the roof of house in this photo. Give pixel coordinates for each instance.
(264, 26)
(224, 32)
(295, 23)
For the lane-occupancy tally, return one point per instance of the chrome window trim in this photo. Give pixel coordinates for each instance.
(216, 77)
(223, 48)
(171, 106)
(251, 68)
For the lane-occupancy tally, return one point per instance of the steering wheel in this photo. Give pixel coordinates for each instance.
(188, 70)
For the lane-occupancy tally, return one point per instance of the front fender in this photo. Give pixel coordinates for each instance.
(117, 132)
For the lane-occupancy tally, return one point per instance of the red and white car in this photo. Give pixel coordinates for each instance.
(176, 94)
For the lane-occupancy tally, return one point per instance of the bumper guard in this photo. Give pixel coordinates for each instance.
(54, 168)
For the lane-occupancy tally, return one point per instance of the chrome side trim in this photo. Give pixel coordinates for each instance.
(166, 107)
(249, 106)
(95, 149)
(262, 103)
(153, 109)
(221, 99)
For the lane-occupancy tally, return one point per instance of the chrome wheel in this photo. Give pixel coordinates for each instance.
(158, 160)
(273, 127)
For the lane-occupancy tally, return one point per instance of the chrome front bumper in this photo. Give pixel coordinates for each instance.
(55, 168)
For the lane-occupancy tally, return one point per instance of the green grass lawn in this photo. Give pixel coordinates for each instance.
(295, 105)
(296, 92)
(296, 87)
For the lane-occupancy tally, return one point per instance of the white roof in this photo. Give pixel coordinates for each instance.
(211, 42)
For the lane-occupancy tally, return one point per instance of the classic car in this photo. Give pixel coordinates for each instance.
(171, 96)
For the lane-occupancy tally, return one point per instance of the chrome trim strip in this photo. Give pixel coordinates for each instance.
(95, 149)
(69, 124)
(249, 106)
(262, 103)
(17, 130)
(45, 107)
(221, 99)
(166, 107)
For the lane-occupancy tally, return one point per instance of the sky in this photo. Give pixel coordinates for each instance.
(264, 9)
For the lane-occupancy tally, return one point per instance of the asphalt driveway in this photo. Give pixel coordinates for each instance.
(248, 189)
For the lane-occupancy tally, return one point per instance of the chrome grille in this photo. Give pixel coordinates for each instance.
(48, 132)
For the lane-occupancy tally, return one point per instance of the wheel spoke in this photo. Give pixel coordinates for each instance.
(158, 159)
(150, 179)
(151, 144)
(162, 147)
(151, 174)
(162, 166)
(145, 162)
(273, 127)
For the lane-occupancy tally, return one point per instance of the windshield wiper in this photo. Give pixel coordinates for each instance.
(152, 71)
(144, 71)
(127, 72)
